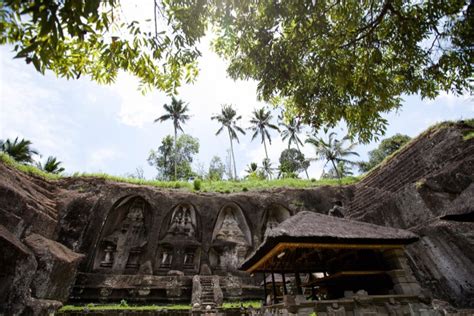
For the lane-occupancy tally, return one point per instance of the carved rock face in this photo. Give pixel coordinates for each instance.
(122, 249)
(183, 222)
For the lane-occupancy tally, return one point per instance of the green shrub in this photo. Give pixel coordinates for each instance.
(245, 189)
(123, 303)
(197, 184)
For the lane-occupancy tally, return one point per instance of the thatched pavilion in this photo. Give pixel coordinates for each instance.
(333, 259)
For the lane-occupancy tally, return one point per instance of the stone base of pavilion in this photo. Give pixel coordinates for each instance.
(359, 304)
(317, 264)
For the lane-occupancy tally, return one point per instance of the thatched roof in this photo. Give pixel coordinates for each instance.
(310, 227)
(315, 225)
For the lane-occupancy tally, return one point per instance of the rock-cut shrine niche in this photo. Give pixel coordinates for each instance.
(272, 217)
(231, 239)
(122, 247)
(179, 242)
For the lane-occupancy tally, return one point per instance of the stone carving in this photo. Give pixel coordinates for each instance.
(180, 241)
(235, 244)
(272, 223)
(230, 230)
(166, 258)
(105, 292)
(337, 210)
(336, 310)
(124, 246)
(173, 288)
(272, 217)
(182, 222)
(234, 286)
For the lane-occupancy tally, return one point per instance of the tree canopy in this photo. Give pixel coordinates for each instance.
(20, 150)
(331, 60)
(165, 157)
(216, 169)
(292, 162)
(51, 165)
(333, 151)
(326, 61)
(387, 147)
(75, 38)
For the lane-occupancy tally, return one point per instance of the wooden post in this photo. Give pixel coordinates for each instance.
(299, 290)
(264, 288)
(274, 288)
(284, 282)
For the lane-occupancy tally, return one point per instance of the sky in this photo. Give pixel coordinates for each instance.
(109, 128)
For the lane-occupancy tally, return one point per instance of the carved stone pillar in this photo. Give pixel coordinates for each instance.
(402, 277)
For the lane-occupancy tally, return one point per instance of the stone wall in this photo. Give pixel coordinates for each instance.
(428, 187)
(88, 239)
(116, 240)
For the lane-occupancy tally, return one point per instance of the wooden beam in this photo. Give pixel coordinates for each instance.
(289, 246)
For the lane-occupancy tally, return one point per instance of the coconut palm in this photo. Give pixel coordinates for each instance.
(261, 125)
(252, 168)
(228, 119)
(52, 165)
(267, 169)
(21, 150)
(333, 151)
(290, 131)
(175, 112)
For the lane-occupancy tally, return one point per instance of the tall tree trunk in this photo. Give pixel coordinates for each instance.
(337, 172)
(266, 155)
(265, 146)
(174, 154)
(305, 169)
(233, 157)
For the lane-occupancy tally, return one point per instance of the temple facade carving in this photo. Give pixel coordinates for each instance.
(124, 241)
(273, 215)
(231, 238)
(179, 246)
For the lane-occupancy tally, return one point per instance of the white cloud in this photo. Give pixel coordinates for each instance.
(100, 158)
(136, 109)
(31, 111)
(452, 100)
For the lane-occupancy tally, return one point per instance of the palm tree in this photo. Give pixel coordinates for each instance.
(291, 131)
(252, 168)
(228, 118)
(18, 150)
(176, 112)
(261, 125)
(267, 169)
(52, 165)
(333, 151)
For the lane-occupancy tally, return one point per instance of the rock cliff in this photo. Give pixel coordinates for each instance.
(84, 239)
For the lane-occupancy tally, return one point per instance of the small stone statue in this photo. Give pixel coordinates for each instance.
(108, 257)
(272, 223)
(337, 210)
(182, 222)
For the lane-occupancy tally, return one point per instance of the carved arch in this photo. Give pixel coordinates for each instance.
(273, 215)
(194, 215)
(232, 210)
(122, 246)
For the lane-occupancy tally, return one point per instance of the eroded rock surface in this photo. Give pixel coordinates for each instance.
(428, 188)
(144, 243)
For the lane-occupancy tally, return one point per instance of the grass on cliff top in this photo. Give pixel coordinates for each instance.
(206, 185)
(121, 307)
(125, 306)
